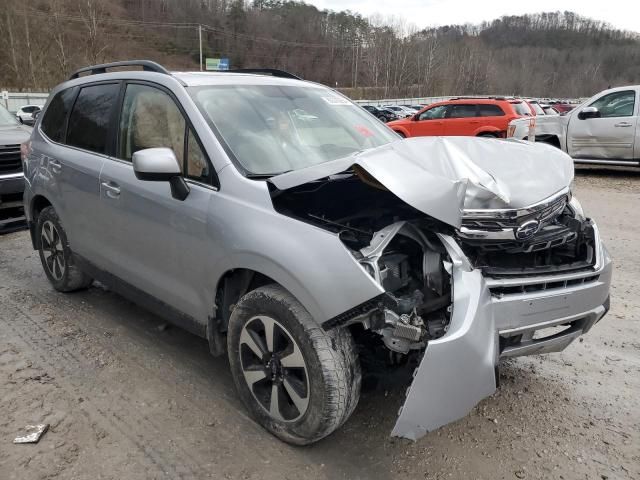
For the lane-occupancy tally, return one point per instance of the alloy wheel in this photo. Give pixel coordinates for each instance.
(52, 250)
(274, 369)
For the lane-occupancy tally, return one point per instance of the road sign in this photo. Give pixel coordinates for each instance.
(217, 64)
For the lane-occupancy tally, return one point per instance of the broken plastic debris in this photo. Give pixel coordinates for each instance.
(32, 433)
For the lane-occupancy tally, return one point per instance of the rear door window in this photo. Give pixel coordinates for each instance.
(488, 110)
(91, 117)
(55, 118)
(462, 111)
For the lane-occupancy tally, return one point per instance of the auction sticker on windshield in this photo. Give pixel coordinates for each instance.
(336, 101)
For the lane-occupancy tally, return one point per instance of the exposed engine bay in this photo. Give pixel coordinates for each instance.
(398, 246)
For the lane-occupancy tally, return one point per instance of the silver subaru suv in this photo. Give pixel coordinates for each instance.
(299, 236)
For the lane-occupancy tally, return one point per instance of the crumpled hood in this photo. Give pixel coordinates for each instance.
(442, 176)
(13, 135)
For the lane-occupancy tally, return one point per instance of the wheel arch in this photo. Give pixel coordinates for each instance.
(494, 131)
(550, 139)
(401, 131)
(232, 285)
(38, 203)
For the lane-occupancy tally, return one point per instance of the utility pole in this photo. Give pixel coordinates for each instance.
(200, 41)
(355, 76)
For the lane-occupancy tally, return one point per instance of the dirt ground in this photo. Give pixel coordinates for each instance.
(128, 398)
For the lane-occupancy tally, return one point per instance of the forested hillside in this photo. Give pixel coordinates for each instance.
(548, 54)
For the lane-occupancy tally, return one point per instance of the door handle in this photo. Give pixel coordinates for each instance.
(623, 124)
(111, 189)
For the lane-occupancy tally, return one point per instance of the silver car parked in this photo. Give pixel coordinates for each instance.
(298, 234)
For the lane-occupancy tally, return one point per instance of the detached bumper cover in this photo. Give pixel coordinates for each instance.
(458, 370)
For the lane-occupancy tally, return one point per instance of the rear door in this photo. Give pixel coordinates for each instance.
(155, 242)
(76, 165)
(461, 120)
(612, 135)
(493, 115)
(430, 122)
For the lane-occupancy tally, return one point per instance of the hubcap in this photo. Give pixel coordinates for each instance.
(52, 250)
(274, 369)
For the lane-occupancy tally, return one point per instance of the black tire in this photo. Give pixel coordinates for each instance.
(56, 256)
(330, 376)
(400, 133)
(486, 135)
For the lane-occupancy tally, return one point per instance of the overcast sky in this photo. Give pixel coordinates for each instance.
(624, 14)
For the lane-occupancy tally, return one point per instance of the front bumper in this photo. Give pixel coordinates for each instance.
(458, 369)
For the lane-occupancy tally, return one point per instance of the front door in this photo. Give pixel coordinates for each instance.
(609, 136)
(430, 122)
(157, 243)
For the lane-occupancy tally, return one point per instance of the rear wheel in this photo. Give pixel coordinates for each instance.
(56, 256)
(486, 135)
(400, 133)
(299, 381)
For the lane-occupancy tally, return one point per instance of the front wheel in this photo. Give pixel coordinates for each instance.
(299, 381)
(56, 256)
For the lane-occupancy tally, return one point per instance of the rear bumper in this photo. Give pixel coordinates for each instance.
(459, 369)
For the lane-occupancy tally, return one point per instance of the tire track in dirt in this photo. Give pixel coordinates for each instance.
(128, 425)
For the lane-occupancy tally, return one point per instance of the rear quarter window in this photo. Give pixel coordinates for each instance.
(92, 116)
(55, 118)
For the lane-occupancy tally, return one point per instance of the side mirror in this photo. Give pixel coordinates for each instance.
(160, 165)
(589, 112)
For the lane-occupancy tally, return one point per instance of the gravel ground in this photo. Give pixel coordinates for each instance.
(128, 398)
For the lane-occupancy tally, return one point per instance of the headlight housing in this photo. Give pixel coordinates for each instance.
(576, 207)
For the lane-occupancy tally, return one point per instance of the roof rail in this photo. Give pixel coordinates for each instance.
(274, 72)
(478, 98)
(147, 65)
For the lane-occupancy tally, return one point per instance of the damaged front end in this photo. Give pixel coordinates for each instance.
(517, 270)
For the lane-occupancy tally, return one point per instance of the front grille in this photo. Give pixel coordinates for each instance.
(500, 220)
(501, 291)
(10, 161)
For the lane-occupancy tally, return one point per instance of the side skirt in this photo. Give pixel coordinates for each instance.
(141, 298)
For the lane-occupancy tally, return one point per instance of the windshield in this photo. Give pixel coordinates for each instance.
(272, 129)
(6, 119)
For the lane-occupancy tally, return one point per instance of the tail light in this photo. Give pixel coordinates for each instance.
(511, 130)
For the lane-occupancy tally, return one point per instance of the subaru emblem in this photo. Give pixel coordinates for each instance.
(527, 230)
